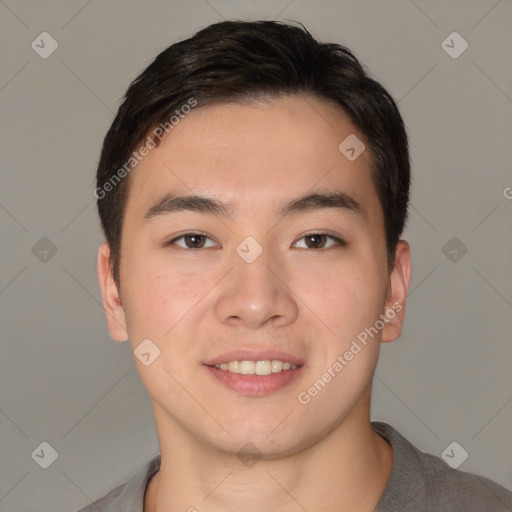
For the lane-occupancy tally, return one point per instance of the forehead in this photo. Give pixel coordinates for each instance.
(255, 155)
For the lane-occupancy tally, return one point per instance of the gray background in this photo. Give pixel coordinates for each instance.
(64, 381)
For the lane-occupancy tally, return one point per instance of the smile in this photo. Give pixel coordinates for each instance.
(252, 383)
(265, 367)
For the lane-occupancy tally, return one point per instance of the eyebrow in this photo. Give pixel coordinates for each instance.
(171, 203)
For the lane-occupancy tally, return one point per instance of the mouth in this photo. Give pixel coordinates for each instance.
(262, 367)
(243, 372)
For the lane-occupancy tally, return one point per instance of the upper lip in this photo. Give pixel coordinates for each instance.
(254, 355)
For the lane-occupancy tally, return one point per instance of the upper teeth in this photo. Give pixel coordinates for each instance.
(265, 367)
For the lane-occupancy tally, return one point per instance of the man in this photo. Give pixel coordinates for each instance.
(253, 188)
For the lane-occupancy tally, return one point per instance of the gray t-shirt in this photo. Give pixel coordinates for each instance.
(419, 482)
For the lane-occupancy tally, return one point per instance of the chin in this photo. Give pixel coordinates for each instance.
(263, 438)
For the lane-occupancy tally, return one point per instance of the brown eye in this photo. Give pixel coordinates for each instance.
(194, 241)
(315, 241)
(191, 241)
(319, 240)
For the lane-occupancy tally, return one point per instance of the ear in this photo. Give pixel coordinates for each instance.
(116, 319)
(398, 286)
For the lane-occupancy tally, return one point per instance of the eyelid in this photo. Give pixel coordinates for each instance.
(187, 233)
(339, 241)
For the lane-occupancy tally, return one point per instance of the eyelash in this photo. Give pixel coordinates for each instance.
(338, 241)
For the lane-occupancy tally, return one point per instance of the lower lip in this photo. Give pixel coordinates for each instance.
(255, 385)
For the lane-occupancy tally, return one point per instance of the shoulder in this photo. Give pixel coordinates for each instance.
(444, 485)
(111, 502)
(127, 496)
(423, 482)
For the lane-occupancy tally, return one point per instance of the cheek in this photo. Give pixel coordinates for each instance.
(157, 298)
(171, 295)
(165, 308)
(347, 298)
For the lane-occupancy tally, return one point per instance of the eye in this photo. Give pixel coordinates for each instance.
(317, 240)
(312, 241)
(191, 240)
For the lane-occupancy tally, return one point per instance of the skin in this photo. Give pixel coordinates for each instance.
(311, 302)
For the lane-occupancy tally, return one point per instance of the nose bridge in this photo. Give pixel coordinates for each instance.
(253, 292)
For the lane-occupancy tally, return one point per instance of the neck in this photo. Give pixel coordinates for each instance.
(348, 469)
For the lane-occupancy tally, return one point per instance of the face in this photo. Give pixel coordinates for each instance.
(257, 276)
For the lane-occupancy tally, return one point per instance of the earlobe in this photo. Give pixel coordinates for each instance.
(399, 281)
(114, 312)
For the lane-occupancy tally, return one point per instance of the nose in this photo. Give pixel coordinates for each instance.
(256, 295)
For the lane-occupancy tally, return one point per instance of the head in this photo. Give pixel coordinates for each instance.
(252, 115)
